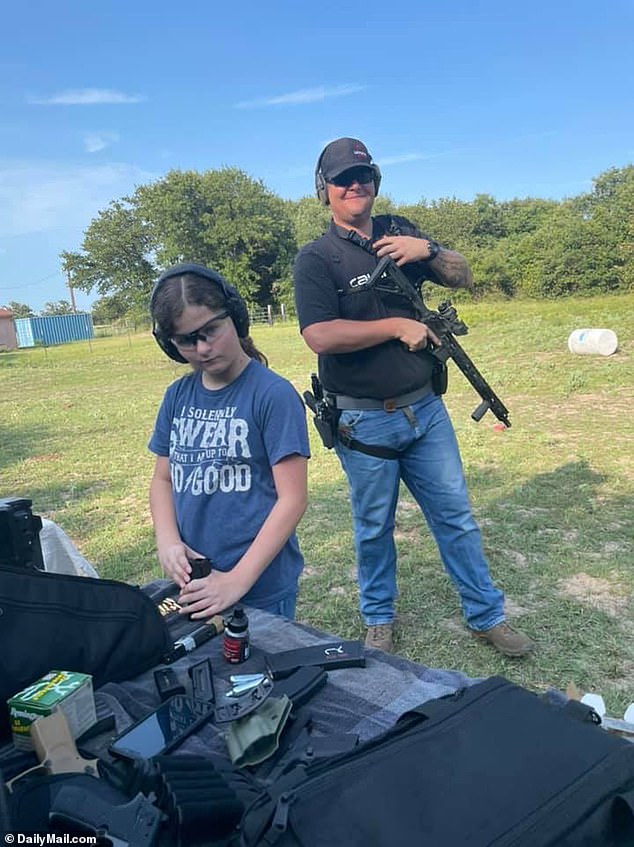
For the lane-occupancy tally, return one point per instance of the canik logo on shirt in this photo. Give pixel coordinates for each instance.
(359, 281)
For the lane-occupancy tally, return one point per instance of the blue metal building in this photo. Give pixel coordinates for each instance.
(49, 330)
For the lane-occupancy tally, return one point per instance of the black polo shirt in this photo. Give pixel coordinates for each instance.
(329, 277)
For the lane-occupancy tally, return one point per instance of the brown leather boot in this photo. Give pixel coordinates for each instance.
(507, 640)
(380, 637)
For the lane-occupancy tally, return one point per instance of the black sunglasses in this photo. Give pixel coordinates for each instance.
(208, 332)
(362, 175)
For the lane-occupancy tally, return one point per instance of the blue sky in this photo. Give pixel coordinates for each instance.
(453, 99)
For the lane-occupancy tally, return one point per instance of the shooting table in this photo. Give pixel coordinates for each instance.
(364, 701)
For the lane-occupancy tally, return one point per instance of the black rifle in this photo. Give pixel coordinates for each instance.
(445, 324)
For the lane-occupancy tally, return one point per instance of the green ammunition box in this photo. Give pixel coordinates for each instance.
(66, 690)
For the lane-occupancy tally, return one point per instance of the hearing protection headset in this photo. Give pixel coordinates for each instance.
(234, 303)
(321, 186)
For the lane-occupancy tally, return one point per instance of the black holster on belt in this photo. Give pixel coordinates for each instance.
(326, 416)
(439, 377)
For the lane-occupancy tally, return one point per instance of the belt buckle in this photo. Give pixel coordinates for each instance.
(390, 405)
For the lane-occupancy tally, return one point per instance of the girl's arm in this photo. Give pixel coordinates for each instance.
(172, 552)
(218, 591)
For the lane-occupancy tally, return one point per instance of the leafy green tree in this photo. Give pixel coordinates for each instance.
(310, 219)
(448, 220)
(525, 215)
(108, 310)
(489, 226)
(58, 307)
(610, 209)
(494, 270)
(20, 310)
(567, 254)
(115, 256)
(233, 223)
(223, 219)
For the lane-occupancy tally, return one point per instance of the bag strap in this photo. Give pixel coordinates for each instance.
(441, 706)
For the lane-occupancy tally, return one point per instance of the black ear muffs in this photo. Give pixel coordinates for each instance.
(235, 305)
(321, 186)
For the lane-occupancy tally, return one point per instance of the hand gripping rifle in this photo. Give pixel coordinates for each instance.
(445, 324)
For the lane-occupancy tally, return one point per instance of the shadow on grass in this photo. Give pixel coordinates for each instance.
(49, 499)
(21, 443)
(568, 485)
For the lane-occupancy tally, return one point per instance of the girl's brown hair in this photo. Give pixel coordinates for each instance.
(177, 292)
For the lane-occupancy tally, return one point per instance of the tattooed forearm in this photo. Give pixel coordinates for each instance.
(451, 269)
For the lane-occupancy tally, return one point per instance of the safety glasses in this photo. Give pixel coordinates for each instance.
(209, 332)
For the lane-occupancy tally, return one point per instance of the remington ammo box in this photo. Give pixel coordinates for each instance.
(69, 691)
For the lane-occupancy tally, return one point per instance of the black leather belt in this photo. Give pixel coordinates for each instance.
(390, 404)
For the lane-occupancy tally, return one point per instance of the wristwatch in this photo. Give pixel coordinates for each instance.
(434, 250)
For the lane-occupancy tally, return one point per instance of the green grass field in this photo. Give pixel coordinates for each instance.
(553, 494)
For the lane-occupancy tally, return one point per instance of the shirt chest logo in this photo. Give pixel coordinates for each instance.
(359, 281)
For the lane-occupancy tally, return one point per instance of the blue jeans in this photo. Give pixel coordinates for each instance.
(285, 606)
(431, 468)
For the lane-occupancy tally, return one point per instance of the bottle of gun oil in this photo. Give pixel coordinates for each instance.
(236, 647)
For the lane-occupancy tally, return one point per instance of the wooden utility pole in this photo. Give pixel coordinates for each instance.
(72, 293)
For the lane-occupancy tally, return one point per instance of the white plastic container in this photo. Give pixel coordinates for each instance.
(585, 341)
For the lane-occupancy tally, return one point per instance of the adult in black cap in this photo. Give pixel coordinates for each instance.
(377, 375)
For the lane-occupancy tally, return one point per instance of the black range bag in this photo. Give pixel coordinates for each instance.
(490, 766)
(51, 621)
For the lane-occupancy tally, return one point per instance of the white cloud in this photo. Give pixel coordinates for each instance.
(38, 196)
(87, 97)
(96, 141)
(407, 157)
(304, 95)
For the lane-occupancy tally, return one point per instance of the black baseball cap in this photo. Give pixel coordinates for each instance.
(341, 155)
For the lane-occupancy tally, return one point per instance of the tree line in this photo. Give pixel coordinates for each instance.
(229, 221)
(54, 308)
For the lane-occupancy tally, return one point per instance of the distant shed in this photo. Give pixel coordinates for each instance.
(8, 338)
(49, 330)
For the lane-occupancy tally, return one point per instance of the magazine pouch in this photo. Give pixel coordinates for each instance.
(51, 621)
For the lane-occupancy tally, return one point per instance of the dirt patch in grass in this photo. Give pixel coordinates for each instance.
(602, 594)
(45, 457)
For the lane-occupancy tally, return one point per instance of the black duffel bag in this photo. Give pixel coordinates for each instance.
(51, 621)
(491, 766)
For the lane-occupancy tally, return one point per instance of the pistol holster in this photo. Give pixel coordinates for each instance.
(326, 419)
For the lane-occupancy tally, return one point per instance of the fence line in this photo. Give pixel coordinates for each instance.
(257, 315)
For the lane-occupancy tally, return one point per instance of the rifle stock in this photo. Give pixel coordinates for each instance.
(445, 324)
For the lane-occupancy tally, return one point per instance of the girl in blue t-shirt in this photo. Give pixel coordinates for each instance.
(231, 449)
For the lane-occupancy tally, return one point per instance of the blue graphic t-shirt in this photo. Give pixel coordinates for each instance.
(221, 446)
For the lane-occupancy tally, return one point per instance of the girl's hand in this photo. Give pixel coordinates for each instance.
(202, 598)
(175, 562)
